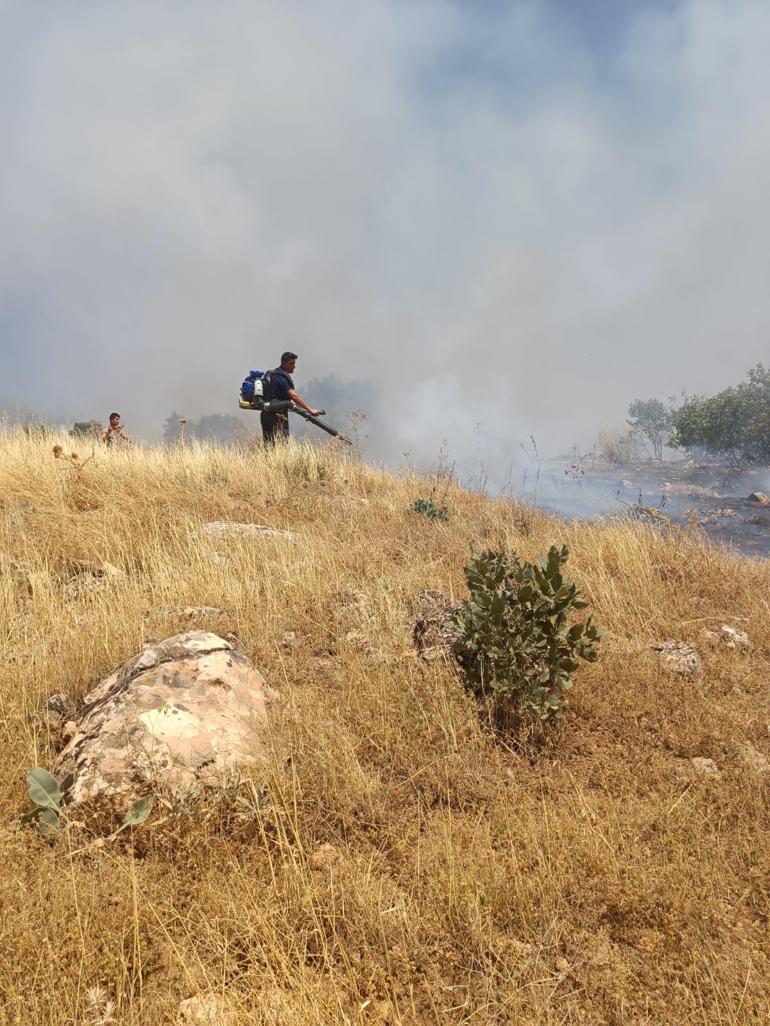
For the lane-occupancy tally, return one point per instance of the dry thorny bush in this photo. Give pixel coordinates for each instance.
(409, 866)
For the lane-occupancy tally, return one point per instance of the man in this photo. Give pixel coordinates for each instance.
(276, 425)
(114, 433)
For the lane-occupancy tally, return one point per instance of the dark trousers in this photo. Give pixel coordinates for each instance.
(275, 426)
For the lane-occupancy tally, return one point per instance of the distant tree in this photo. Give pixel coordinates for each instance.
(171, 428)
(212, 427)
(734, 424)
(652, 422)
(86, 429)
(615, 445)
(215, 427)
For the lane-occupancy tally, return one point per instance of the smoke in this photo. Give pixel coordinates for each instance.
(491, 220)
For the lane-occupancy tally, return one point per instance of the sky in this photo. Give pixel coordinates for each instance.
(485, 220)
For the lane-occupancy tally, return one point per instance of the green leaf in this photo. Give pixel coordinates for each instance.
(139, 811)
(43, 788)
(47, 822)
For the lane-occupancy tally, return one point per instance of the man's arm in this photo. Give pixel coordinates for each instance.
(295, 398)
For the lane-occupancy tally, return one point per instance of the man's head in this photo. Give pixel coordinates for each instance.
(288, 361)
(114, 419)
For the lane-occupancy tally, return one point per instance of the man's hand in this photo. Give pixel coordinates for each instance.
(317, 413)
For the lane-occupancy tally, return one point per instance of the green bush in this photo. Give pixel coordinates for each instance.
(734, 424)
(514, 641)
(428, 508)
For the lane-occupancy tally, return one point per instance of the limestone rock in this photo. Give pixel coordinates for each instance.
(705, 767)
(93, 579)
(729, 636)
(680, 657)
(229, 528)
(435, 631)
(759, 499)
(324, 857)
(205, 1010)
(754, 760)
(183, 715)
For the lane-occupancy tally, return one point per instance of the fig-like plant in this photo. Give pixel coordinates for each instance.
(516, 641)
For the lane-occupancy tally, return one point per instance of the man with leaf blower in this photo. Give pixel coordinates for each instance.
(273, 394)
(281, 388)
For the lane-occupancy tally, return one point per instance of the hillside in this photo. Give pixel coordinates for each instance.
(407, 866)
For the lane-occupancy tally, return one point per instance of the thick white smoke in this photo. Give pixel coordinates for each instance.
(499, 224)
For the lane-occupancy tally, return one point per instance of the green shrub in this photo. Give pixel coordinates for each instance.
(734, 424)
(428, 508)
(514, 642)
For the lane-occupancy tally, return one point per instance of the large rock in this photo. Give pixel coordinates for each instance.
(183, 715)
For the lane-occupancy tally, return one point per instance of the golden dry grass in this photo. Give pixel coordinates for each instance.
(596, 879)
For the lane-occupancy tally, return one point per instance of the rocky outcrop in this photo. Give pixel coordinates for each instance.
(183, 715)
(679, 657)
(728, 636)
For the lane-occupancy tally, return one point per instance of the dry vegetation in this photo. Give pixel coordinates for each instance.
(408, 867)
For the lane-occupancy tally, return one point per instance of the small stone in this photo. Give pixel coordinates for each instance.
(199, 612)
(705, 767)
(729, 636)
(324, 857)
(680, 657)
(229, 528)
(734, 638)
(754, 760)
(288, 640)
(205, 1010)
(759, 499)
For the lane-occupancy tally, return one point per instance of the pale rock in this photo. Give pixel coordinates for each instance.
(288, 641)
(205, 1010)
(759, 499)
(229, 528)
(93, 579)
(754, 760)
(183, 715)
(729, 636)
(679, 657)
(324, 857)
(705, 767)
(200, 612)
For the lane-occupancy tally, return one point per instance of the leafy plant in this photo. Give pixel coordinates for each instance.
(734, 424)
(46, 795)
(652, 422)
(48, 813)
(428, 508)
(514, 642)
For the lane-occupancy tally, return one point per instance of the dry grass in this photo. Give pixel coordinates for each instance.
(597, 879)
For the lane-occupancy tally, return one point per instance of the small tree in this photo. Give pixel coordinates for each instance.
(653, 422)
(734, 424)
(514, 639)
(86, 429)
(615, 445)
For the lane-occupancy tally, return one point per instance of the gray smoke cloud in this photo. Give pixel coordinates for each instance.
(489, 220)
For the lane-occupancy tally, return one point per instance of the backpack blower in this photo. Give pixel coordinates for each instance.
(255, 395)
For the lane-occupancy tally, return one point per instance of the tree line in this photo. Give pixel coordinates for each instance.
(733, 425)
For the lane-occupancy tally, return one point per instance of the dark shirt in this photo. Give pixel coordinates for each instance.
(280, 383)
